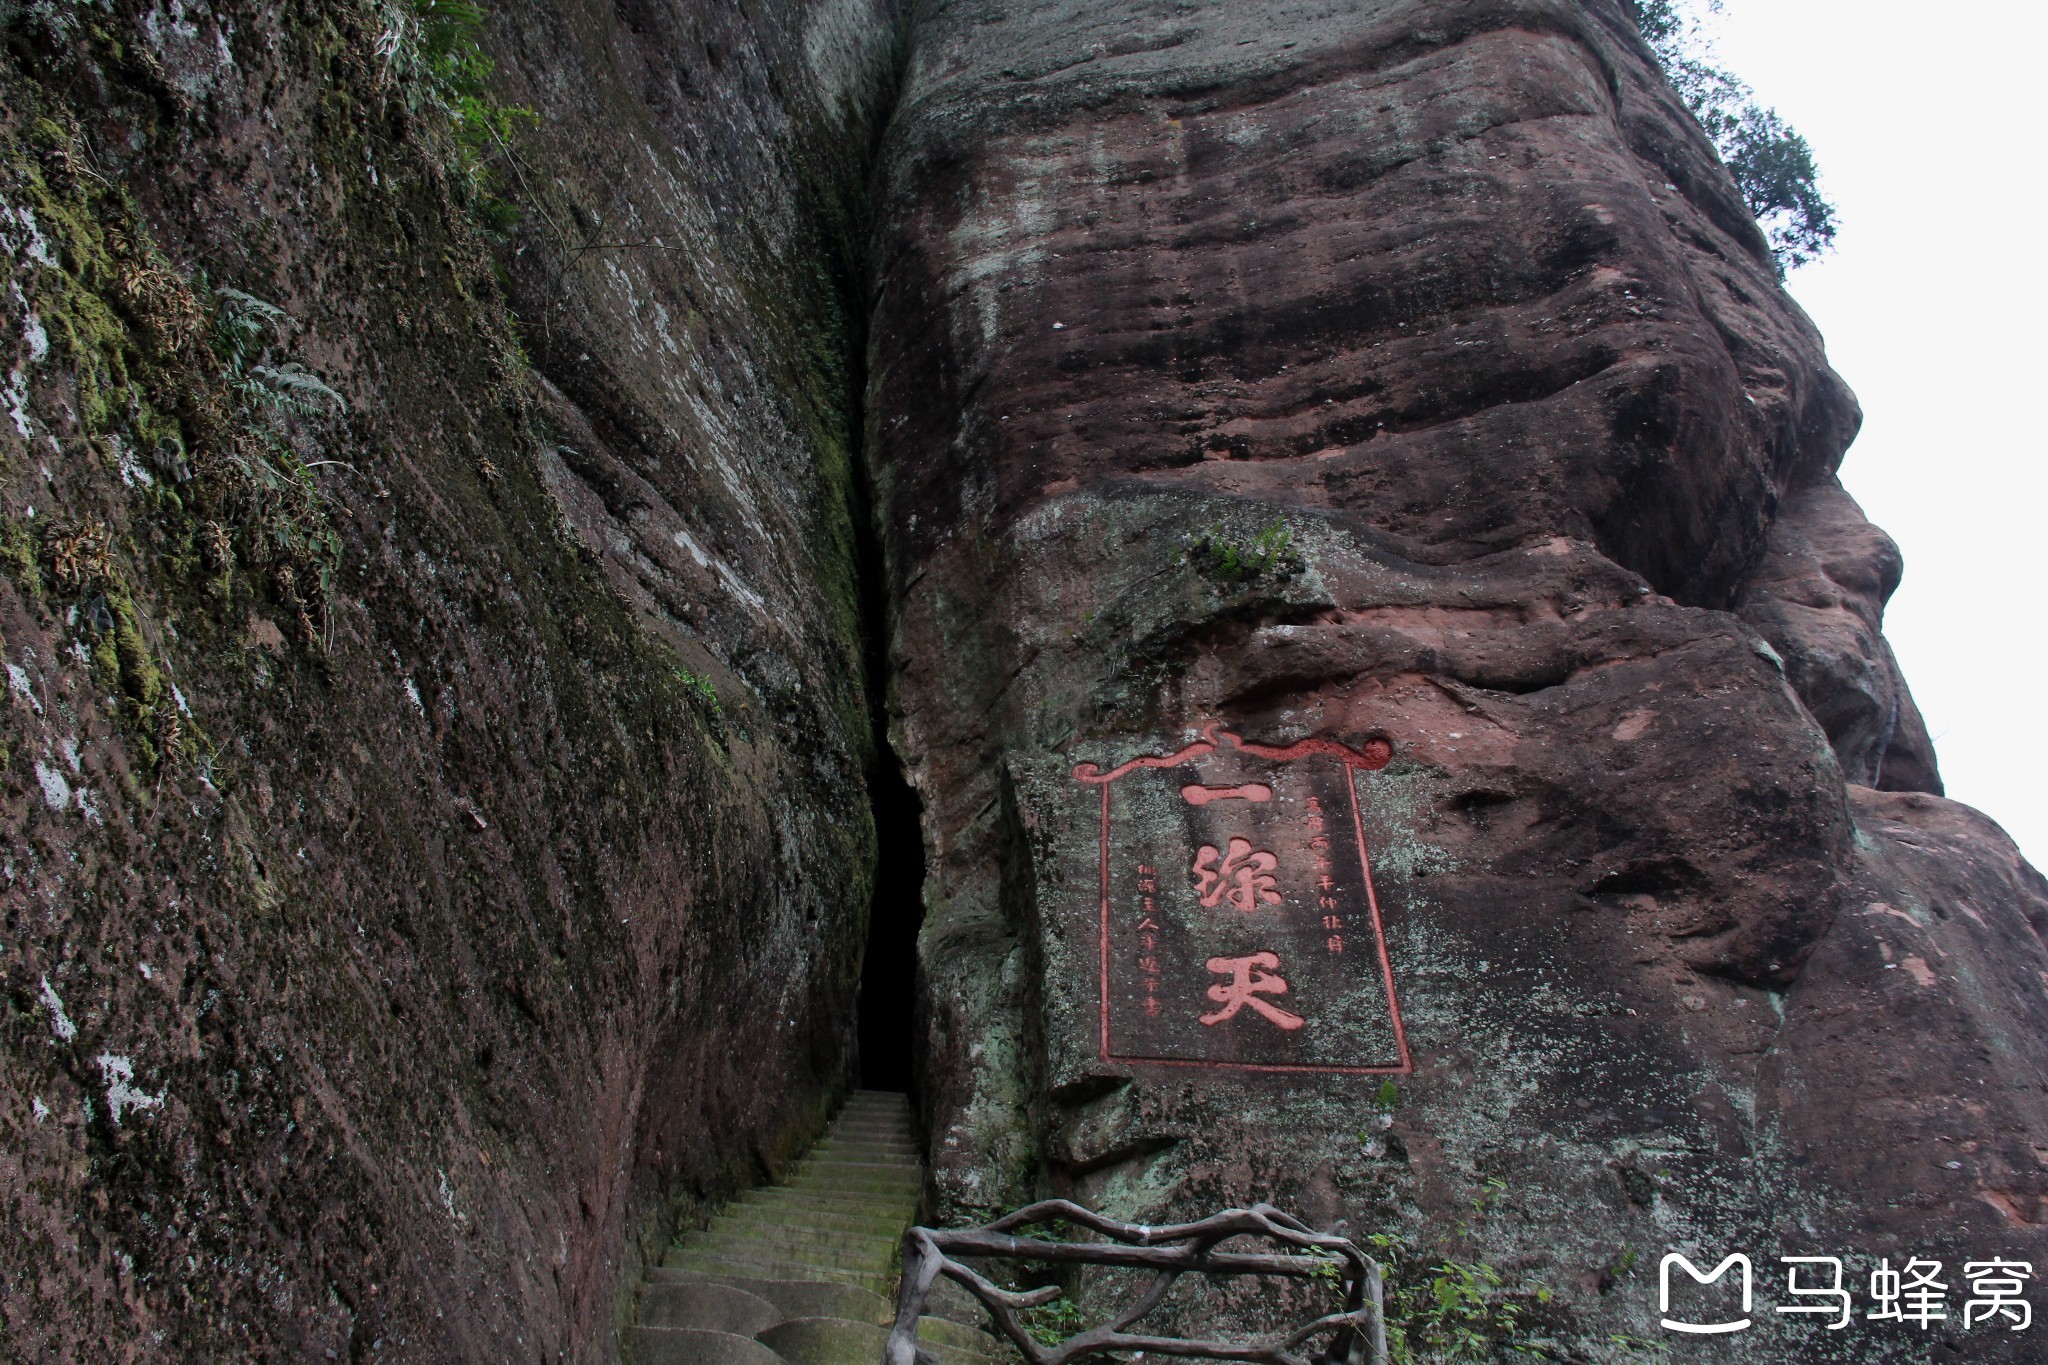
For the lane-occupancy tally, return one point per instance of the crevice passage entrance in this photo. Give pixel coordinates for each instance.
(887, 1031)
(888, 978)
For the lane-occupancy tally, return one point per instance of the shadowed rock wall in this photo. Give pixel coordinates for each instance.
(1409, 370)
(436, 842)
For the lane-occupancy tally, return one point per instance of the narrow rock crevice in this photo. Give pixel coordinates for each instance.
(886, 1012)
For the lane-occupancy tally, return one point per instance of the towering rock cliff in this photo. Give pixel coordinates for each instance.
(1329, 504)
(1278, 408)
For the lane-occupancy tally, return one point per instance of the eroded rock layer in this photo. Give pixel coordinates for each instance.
(1256, 385)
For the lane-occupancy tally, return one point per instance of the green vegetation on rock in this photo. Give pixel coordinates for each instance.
(1441, 1310)
(1269, 553)
(1772, 164)
(432, 50)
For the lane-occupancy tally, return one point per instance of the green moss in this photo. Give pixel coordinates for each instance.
(20, 553)
(142, 682)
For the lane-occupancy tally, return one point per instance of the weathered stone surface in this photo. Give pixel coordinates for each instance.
(438, 831)
(1411, 371)
(1818, 596)
(461, 940)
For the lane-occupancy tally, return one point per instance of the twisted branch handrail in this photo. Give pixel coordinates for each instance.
(1358, 1334)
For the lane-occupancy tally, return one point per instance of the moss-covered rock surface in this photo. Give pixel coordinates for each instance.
(434, 742)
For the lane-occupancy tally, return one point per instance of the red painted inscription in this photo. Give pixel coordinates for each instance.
(1262, 947)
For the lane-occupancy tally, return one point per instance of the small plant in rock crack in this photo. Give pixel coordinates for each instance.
(432, 52)
(1375, 1139)
(1052, 1323)
(1270, 553)
(275, 513)
(79, 555)
(701, 690)
(1450, 1310)
(1637, 1348)
(245, 328)
(1329, 1270)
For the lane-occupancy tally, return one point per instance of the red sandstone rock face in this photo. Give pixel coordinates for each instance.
(1411, 370)
(1818, 595)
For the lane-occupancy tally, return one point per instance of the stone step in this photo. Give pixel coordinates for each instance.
(867, 1258)
(877, 1137)
(826, 1341)
(890, 1224)
(707, 1307)
(776, 1268)
(791, 1298)
(949, 1301)
(856, 1180)
(949, 1333)
(904, 1175)
(858, 1158)
(849, 1204)
(803, 1272)
(859, 1177)
(687, 1299)
(861, 1163)
(959, 1336)
(900, 1193)
(840, 1156)
(845, 1341)
(689, 1346)
(861, 1242)
(868, 1149)
(892, 1138)
(815, 1228)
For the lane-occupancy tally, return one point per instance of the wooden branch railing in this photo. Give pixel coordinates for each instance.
(1357, 1334)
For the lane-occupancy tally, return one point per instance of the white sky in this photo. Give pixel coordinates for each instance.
(1927, 134)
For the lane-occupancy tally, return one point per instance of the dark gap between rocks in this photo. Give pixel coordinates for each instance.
(888, 979)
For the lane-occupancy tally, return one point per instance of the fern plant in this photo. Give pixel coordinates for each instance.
(432, 52)
(278, 506)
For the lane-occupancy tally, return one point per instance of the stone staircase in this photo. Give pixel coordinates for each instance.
(804, 1273)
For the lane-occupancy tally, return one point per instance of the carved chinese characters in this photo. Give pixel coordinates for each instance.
(1243, 876)
(1238, 927)
(1246, 985)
